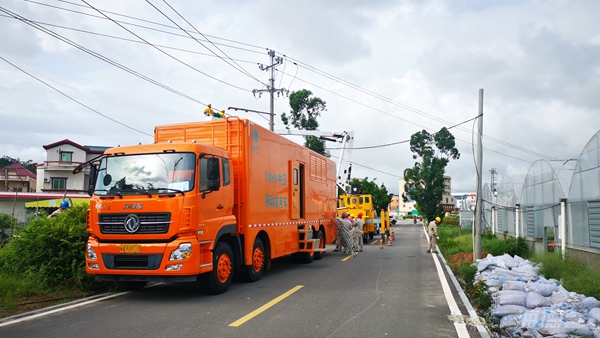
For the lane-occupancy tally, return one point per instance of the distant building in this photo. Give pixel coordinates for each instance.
(54, 180)
(447, 198)
(17, 178)
(56, 173)
(405, 208)
(394, 207)
(465, 201)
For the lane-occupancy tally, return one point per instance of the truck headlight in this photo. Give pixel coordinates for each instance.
(91, 254)
(184, 251)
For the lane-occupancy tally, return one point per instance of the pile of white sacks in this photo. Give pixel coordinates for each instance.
(529, 305)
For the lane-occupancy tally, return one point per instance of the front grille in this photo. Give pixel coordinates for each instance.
(150, 223)
(132, 262)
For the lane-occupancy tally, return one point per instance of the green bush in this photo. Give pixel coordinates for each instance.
(499, 247)
(451, 220)
(51, 251)
(6, 221)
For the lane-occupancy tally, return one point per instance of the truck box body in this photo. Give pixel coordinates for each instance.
(273, 193)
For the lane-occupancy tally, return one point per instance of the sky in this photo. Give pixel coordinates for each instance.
(106, 72)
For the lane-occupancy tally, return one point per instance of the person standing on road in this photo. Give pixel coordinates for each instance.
(358, 233)
(346, 234)
(432, 231)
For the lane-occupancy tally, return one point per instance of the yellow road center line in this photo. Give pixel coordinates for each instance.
(346, 258)
(265, 307)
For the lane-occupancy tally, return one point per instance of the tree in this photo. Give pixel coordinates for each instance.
(5, 161)
(303, 116)
(425, 181)
(380, 195)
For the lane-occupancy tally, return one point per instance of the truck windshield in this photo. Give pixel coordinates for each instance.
(146, 174)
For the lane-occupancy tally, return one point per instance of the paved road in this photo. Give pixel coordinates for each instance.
(397, 291)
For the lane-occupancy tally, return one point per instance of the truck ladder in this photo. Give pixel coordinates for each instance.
(307, 243)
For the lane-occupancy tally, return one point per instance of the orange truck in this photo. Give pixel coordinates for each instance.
(205, 201)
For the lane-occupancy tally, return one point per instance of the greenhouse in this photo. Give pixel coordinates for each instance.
(532, 206)
(507, 199)
(543, 190)
(583, 215)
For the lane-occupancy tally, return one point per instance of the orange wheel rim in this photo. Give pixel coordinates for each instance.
(223, 268)
(258, 259)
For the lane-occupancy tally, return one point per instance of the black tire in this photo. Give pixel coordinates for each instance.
(254, 272)
(321, 236)
(218, 280)
(371, 235)
(130, 286)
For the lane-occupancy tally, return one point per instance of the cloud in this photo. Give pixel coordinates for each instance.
(386, 69)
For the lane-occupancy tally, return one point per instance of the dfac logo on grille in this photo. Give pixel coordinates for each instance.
(131, 223)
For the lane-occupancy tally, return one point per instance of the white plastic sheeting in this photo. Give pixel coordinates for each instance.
(528, 305)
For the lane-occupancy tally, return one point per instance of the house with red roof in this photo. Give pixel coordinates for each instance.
(15, 177)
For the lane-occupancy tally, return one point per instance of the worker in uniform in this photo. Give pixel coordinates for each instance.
(64, 205)
(209, 111)
(345, 234)
(358, 233)
(432, 232)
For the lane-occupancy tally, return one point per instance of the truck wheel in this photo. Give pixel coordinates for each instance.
(130, 286)
(254, 272)
(218, 280)
(321, 236)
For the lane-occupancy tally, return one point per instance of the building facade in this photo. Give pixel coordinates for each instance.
(56, 173)
(17, 178)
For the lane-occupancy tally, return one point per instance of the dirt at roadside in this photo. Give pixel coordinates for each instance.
(463, 257)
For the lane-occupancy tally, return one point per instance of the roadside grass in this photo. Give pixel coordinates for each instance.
(44, 264)
(21, 294)
(573, 275)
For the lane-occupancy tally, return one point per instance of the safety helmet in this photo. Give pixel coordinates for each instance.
(439, 220)
(360, 215)
(352, 215)
(64, 204)
(344, 214)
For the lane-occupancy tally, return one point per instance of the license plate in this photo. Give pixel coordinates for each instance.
(131, 248)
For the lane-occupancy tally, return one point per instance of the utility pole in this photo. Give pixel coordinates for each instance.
(275, 60)
(478, 203)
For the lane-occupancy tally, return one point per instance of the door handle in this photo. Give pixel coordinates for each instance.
(220, 207)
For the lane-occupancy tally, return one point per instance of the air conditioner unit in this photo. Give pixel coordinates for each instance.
(46, 180)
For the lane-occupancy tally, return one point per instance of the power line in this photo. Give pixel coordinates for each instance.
(97, 55)
(72, 99)
(162, 51)
(409, 108)
(356, 87)
(236, 66)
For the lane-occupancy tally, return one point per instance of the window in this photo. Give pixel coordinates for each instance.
(66, 156)
(59, 183)
(295, 177)
(210, 177)
(226, 174)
